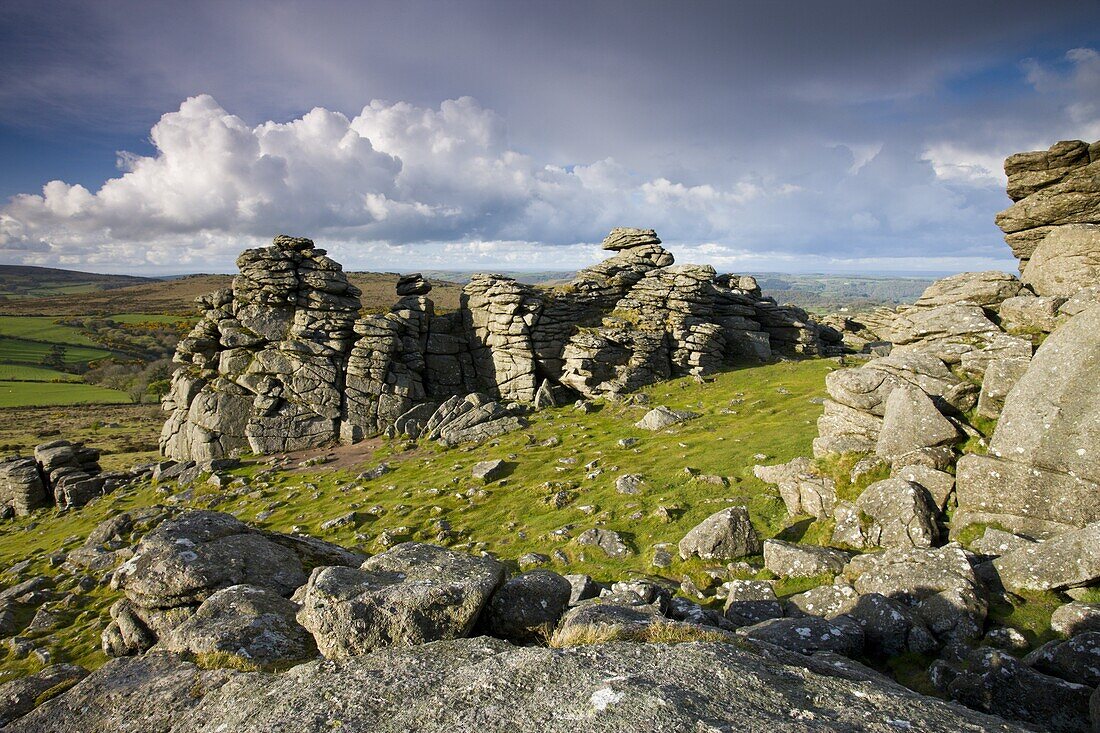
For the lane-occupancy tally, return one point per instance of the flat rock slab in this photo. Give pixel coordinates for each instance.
(1066, 561)
(485, 686)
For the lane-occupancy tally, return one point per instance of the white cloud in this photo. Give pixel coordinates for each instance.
(401, 186)
(957, 163)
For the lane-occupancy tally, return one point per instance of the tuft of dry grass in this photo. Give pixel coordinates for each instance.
(655, 633)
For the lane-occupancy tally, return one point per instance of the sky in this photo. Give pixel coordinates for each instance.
(858, 137)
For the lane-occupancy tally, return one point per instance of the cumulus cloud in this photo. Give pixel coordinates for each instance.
(400, 184)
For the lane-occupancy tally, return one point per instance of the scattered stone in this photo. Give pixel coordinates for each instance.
(629, 483)
(606, 540)
(488, 471)
(662, 417)
(724, 535)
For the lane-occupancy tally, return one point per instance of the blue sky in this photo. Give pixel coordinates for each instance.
(757, 136)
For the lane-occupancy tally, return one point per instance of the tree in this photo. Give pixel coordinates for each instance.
(55, 358)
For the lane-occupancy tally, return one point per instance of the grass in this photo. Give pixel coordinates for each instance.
(44, 329)
(747, 416)
(1030, 615)
(838, 467)
(744, 413)
(24, 373)
(32, 394)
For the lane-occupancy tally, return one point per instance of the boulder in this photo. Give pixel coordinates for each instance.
(996, 542)
(725, 535)
(488, 471)
(824, 600)
(411, 594)
(186, 559)
(629, 483)
(750, 601)
(811, 634)
(1067, 259)
(890, 628)
(582, 587)
(899, 513)
(1076, 659)
(987, 289)
(940, 485)
(527, 608)
(1030, 314)
(1075, 618)
(21, 486)
(1042, 473)
(1000, 377)
(790, 560)
(803, 491)
(938, 584)
(1070, 560)
(622, 238)
(253, 623)
(662, 417)
(608, 541)
(995, 682)
(911, 422)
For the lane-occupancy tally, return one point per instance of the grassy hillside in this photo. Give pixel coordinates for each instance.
(747, 415)
(19, 281)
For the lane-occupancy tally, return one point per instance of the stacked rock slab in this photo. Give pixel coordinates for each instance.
(265, 366)
(1051, 189)
(283, 361)
(61, 473)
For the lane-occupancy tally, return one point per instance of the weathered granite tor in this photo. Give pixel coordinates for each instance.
(283, 361)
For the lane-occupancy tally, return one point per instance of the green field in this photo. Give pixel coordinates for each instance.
(23, 373)
(42, 328)
(18, 351)
(35, 394)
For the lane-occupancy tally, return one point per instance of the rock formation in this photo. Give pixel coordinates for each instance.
(975, 349)
(283, 361)
(60, 473)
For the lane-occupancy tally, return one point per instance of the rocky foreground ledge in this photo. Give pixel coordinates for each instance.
(483, 684)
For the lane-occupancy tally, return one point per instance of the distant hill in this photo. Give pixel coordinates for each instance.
(176, 296)
(23, 281)
(52, 292)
